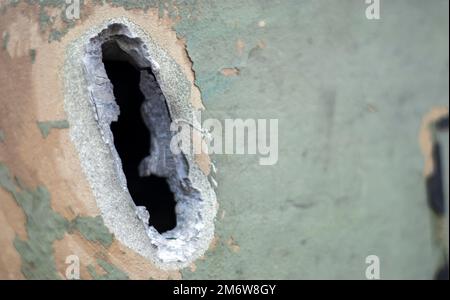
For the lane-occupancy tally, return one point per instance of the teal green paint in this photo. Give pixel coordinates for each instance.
(47, 22)
(345, 177)
(5, 41)
(19, 183)
(56, 35)
(47, 126)
(44, 19)
(5, 180)
(112, 272)
(33, 55)
(93, 229)
(44, 226)
(47, 3)
(98, 2)
(13, 2)
(133, 4)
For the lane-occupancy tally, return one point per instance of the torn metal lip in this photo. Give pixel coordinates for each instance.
(92, 137)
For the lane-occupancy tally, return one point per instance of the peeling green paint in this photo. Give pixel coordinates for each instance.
(93, 229)
(19, 183)
(44, 226)
(33, 55)
(12, 2)
(46, 127)
(2, 136)
(193, 16)
(56, 35)
(5, 180)
(112, 272)
(5, 40)
(44, 19)
(171, 8)
(133, 4)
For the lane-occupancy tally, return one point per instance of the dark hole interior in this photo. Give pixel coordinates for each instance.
(132, 142)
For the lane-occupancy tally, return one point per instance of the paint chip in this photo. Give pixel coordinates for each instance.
(5, 40)
(371, 108)
(111, 272)
(193, 267)
(228, 72)
(46, 127)
(33, 55)
(233, 245)
(240, 46)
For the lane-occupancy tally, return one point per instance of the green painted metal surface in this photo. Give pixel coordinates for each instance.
(350, 95)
